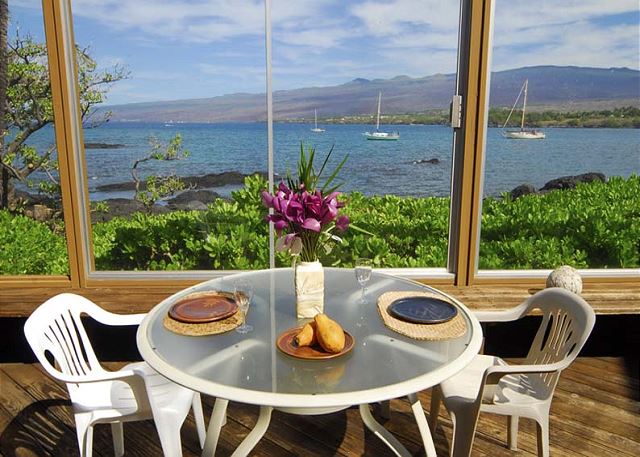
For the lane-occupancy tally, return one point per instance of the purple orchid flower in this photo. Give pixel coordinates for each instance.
(342, 223)
(267, 199)
(311, 224)
(294, 211)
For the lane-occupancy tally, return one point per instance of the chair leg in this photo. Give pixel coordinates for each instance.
(84, 432)
(434, 410)
(512, 435)
(198, 416)
(117, 433)
(542, 429)
(464, 430)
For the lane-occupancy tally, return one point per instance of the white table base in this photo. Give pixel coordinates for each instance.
(220, 409)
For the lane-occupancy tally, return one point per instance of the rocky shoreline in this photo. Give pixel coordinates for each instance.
(199, 195)
(192, 182)
(564, 182)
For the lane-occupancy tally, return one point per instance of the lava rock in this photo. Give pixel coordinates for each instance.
(433, 161)
(103, 146)
(523, 189)
(570, 182)
(191, 200)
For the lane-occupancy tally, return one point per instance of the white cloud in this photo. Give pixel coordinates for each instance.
(384, 18)
(185, 21)
(320, 42)
(243, 72)
(571, 33)
(524, 14)
(315, 39)
(585, 45)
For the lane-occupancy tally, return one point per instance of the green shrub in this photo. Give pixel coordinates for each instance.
(596, 225)
(28, 247)
(229, 235)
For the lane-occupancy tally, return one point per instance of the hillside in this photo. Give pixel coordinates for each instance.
(550, 87)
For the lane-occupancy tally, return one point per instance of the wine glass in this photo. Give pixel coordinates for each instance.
(243, 293)
(363, 275)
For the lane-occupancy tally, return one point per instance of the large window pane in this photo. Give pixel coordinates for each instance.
(181, 85)
(334, 62)
(32, 237)
(563, 189)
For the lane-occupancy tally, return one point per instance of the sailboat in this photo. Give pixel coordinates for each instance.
(315, 116)
(522, 134)
(378, 135)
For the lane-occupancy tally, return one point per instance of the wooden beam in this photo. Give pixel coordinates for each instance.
(605, 298)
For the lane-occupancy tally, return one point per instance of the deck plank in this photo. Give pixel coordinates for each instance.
(36, 428)
(594, 413)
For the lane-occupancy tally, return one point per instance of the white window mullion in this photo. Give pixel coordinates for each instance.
(267, 39)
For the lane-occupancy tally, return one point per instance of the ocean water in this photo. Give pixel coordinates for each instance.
(373, 167)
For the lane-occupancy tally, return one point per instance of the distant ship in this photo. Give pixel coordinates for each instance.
(523, 133)
(315, 116)
(378, 135)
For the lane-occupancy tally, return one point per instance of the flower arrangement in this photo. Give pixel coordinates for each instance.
(305, 214)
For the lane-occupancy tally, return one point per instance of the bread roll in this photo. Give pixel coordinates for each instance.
(329, 333)
(307, 336)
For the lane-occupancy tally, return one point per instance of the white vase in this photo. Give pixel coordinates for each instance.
(309, 282)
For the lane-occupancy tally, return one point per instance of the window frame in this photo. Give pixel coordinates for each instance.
(473, 77)
(489, 277)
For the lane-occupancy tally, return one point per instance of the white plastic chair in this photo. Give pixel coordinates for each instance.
(136, 392)
(490, 384)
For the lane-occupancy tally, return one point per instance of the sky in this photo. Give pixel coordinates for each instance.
(180, 49)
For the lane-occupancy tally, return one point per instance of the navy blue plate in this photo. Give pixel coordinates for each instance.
(422, 310)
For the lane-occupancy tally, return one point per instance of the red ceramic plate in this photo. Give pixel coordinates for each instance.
(287, 344)
(204, 307)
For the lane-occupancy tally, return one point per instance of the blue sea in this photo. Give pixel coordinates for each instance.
(373, 167)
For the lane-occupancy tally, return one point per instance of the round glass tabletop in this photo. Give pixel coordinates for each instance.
(251, 369)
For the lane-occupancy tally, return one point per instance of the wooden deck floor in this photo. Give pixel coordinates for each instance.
(596, 412)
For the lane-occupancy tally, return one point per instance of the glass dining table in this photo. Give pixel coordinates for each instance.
(249, 368)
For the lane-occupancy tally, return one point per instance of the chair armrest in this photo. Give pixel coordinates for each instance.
(506, 315)
(133, 379)
(108, 318)
(494, 373)
(129, 319)
(95, 376)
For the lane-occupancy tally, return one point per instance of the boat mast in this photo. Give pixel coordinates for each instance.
(524, 105)
(378, 121)
(315, 117)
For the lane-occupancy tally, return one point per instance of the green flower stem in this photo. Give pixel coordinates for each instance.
(309, 246)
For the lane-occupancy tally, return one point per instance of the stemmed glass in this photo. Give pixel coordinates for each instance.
(363, 275)
(243, 293)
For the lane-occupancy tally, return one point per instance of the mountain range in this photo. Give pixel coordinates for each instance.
(550, 87)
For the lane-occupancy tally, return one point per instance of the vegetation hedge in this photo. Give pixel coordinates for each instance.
(30, 247)
(595, 225)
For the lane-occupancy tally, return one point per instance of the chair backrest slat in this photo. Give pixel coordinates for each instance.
(56, 328)
(567, 321)
(73, 325)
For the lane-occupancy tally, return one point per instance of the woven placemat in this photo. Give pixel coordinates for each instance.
(208, 328)
(454, 328)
